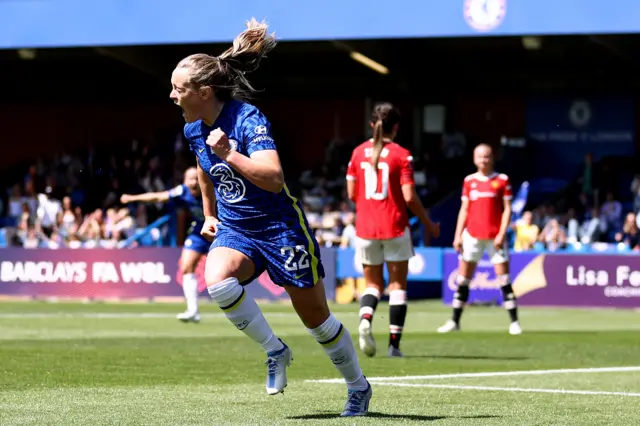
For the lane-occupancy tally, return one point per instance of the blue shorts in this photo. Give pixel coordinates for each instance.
(197, 243)
(290, 256)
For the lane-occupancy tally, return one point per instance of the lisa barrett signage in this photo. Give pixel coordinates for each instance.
(556, 280)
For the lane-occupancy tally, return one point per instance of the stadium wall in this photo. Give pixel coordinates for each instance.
(539, 278)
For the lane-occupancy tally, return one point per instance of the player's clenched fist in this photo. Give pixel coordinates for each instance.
(457, 244)
(210, 228)
(219, 142)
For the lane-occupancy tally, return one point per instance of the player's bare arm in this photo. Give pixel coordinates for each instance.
(263, 168)
(210, 226)
(462, 222)
(351, 188)
(208, 193)
(149, 197)
(504, 224)
(410, 196)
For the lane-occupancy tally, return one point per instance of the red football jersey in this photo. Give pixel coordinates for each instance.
(486, 195)
(381, 212)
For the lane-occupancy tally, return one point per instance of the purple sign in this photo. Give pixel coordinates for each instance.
(129, 273)
(544, 279)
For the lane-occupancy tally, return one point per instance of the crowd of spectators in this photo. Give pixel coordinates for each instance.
(594, 217)
(73, 200)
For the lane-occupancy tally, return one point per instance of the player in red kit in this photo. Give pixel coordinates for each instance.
(380, 183)
(482, 225)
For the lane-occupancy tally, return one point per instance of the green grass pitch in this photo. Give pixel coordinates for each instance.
(129, 364)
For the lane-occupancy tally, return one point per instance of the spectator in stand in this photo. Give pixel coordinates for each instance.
(68, 218)
(592, 227)
(611, 213)
(635, 192)
(49, 212)
(586, 180)
(349, 232)
(526, 232)
(572, 225)
(16, 203)
(553, 236)
(629, 237)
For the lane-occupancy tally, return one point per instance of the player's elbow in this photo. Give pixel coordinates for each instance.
(410, 199)
(409, 194)
(277, 183)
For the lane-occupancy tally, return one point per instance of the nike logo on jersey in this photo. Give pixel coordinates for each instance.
(297, 277)
(201, 150)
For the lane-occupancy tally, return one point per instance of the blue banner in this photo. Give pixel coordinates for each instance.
(520, 201)
(57, 23)
(565, 129)
(426, 265)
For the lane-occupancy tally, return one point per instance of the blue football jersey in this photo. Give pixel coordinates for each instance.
(182, 197)
(241, 204)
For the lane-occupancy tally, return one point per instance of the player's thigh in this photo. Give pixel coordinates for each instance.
(472, 248)
(398, 272)
(310, 303)
(231, 255)
(374, 276)
(369, 252)
(292, 258)
(189, 260)
(499, 258)
(293, 261)
(398, 249)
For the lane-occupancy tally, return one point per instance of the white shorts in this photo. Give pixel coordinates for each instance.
(376, 252)
(473, 249)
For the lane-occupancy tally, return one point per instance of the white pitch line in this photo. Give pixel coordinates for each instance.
(491, 388)
(491, 374)
(123, 315)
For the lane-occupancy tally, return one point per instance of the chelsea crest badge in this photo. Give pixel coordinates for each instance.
(484, 15)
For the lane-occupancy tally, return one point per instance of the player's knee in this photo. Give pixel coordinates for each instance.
(188, 268)
(226, 292)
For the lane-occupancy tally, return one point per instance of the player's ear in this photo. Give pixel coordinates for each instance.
(205, 93)
(395, 128)
(372, 124)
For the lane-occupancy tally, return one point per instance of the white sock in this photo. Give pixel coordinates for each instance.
(190, 289)
(244, 313)
(336, 342)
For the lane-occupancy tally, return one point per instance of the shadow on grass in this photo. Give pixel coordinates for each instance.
(373, 415)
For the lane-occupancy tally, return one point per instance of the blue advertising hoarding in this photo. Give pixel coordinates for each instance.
(564, 129)
(426, 265)
(54, 23)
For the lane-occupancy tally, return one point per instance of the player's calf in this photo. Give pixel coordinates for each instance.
(460, 298)
(190, 289)
(336, 342)
(368, 304)
(510, 304)
(244, 313)
(397, 316)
